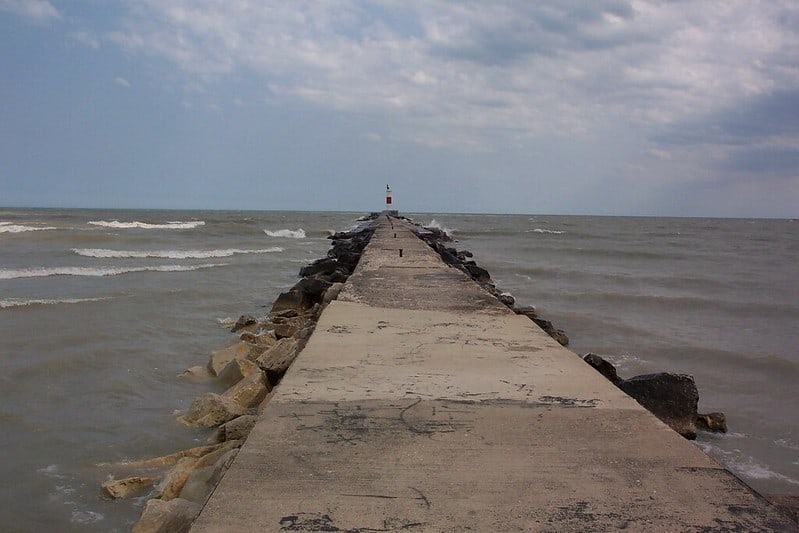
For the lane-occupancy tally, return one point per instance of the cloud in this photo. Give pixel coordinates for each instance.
(122, 82)
(39, 11)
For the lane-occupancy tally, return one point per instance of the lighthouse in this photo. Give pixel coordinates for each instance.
(389, 202)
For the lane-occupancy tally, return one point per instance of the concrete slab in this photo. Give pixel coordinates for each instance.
(421, 403)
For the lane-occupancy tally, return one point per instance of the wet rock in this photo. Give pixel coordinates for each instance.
(211, 410)
(237, 429)
(169, 487)
(673, 398)
(526, 310)
(478, 274)
(125, 488)
(293, 300)
(173, 458)
(196, 374)
(264, 338)
(326, 265)
(507, 299)
(603, 367)
(285, 313)
(242, 322)
(174, 516)
(716, 422)
(558, 334)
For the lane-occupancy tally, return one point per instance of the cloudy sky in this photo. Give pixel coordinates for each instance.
(687, 108)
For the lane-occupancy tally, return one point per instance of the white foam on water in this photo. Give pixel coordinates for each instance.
(742, 464)
(439, 226)
(8, 227)
(86, 517)
(97, 272)
(541, 230)
(287, 233)
(175, 224)
(787, 443)
(16, 302)
(226, 322)
(168, 254)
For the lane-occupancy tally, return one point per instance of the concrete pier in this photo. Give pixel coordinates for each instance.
(421, 403)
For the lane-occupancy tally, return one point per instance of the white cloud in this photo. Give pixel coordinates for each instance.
(39, 11)
(122, 82)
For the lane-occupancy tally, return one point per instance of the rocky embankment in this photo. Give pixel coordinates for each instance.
(179, 484)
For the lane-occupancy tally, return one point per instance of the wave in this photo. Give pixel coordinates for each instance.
(168, 254)
(287, 233)
(146, 225)
(97, 272)
(435, 224)
(9, 227)
(540, 230)
(740, 463)
(15, 302)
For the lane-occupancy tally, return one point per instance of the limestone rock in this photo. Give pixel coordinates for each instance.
(196, 374)
(173, 458)
(264, 338)
(603, 367)
(250, 391)
(211, 410)
(125, 488)
(712, 422)
(332, 293)
(291, 300)
(238, 428)
(203, 480)
(277, 359)
(169, 487)
(174, 516)
(236, 370)
(220, 358)
(673, 398)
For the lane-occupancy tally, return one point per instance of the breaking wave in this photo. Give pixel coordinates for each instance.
(9, 227)
(287, 233)
(97, 272)
(15, 302)
(439, 226)
(540, 230)
(168, 254)
(146, 225)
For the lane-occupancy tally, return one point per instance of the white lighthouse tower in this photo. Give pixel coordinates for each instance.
(389, 199)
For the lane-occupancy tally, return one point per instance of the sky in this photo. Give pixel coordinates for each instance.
(607, 107)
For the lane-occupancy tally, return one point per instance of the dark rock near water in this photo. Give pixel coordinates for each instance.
(557, 334)
(603, 367)
(478, 274)
(243, 322)
(673, 398)
(712, 422)
(325, 265)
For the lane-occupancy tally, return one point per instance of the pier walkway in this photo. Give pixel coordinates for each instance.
(421, 403)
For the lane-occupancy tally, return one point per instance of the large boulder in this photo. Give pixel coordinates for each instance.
(203, 479)
(174, 516)
(603, 367)
(211, 410)
(243, 322)
(237, 370)
(221, 358)
(169, 488)
(250, 391)
(275, 361)
(326, 265)
(673, 398)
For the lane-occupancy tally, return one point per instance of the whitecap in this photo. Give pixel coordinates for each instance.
(16, 302)
(175, 224)
(541, 230)
(168, 254)
(96, 272)
(287, 233)
(86, 517)
(226, 322)
(8, 227)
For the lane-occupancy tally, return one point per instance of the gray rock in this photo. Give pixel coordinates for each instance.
(203, 480)
(211, 410)
(603, 367)
(712, 422)
(242, 322)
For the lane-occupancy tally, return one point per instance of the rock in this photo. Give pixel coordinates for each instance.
(292, 299)
(211, 410)
(250, 391)
(203, 480)
(169, 488)
(673, 398)
(527, 310)
(507, 299)
(242, 322)
(477, 273)
(286, 313)
(220, 358)
(236, 370)
(557, 334)
(313, 288)
(238, 428)
(325, 265)
(712, 422)
(265, 338)
(172, 458)
(603, 367)
(287, 329)
(788, 503)
(332, 293)
(275, 361)
(125, 488)
(174, 516)
(196, 374)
